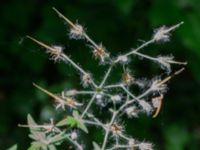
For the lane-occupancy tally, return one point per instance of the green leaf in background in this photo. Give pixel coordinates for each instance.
(14, 147)
(176, 137)
(125, 6)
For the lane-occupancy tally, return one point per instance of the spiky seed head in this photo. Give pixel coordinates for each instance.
(123, 59)
(77, 32)
(161, 34)
(86, 79)
(72, 102)
(116, 98)
(131, 142)
(100, 52)
(116, 129)
(165, 62)
(132, 111)
(145, 146)
(146, 107)
(127, 78)
(157, 87)
(55, 53)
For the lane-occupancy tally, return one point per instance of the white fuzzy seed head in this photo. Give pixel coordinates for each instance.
(131, 111)
(55, 53)
(165, 62)
(86, 79)
(161, 34)
(131, 142)
(145, 146)
(71, 93)
(99, 96)
(100, 53)
(157, 87)
(116, 129)
(77, 32)
(123, 59)
(127, 77)
(116, 98)
(146, 107)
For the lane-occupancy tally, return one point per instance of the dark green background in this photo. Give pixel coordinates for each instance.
(119, 25)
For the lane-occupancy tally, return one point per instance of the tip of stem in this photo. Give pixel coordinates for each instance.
(55, 10)
(179, 71)
(182, 22)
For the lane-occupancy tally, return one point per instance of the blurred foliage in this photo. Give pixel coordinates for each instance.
(120, 25)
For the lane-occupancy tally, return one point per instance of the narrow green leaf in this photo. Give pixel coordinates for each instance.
(62, 122)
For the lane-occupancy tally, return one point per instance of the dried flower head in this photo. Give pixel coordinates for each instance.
(165, 62)
(56, 52)
(100, 52)
(77, 32)
(123, 59)
(116, 98)
(127, 78)
(145, 146)
(86, 79)
(72, 102)
(158, 86)
(132, 143)
(161, 34)
(116, 129)
(132, 111)
(146, 107)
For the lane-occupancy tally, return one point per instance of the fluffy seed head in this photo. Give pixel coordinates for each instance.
(146, 107)
(165, 62)
(86, 79)
(157, 87)
(100, 52)
(161, 34)
(131, 111)
(145, 146)
(123, 59)
(131, 142)
(76, 32)
(116, 129)
(55, 52)
(127, 78)
(116, 98)
(74, 135)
